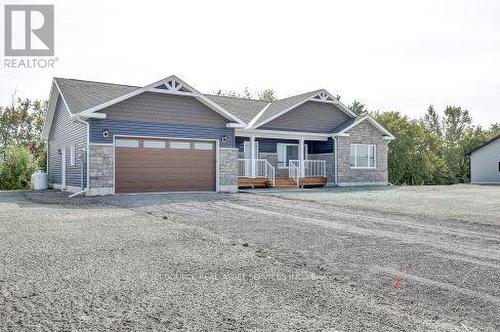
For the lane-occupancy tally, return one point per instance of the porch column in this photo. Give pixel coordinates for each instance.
(252, 156)
(301, 157)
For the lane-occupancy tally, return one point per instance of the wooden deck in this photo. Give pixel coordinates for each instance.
(282, 182)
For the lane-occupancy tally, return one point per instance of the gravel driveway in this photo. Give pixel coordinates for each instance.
(239, 262)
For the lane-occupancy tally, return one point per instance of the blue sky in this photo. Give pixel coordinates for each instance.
(391, 55)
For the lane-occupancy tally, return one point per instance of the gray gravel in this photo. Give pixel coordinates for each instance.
(239, 262)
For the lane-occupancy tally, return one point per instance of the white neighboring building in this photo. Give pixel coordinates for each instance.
(485, 163)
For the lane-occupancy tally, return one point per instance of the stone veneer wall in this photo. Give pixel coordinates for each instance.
(228, 169)
(364, 133)
(101, 169)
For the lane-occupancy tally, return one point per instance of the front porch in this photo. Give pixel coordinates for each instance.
(267, 161)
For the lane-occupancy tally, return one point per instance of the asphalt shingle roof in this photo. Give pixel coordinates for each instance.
(81, 95)
(242, 108)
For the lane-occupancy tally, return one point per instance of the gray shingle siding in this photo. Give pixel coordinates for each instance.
(309, 117)
(163, 108)
(65, 133)
(153, 129)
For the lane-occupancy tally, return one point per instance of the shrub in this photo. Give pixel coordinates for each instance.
(16, 168)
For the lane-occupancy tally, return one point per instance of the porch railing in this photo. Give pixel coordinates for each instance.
(294, 171)
(261, 169)
(306, 168)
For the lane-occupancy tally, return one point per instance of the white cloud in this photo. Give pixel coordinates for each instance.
(392, 55)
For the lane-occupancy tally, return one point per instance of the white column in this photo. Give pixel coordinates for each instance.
(301, 157)
(252, 156)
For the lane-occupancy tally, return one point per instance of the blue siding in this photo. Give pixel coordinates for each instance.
(268, 145)
(320, 146)
(136, 128)
(65, 133)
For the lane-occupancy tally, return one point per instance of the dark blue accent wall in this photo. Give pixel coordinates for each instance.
(136, 128)
(268, 145)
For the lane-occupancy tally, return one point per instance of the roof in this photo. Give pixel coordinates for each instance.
(282, 105)
(244, 108)
(488, 142)
(81, 95)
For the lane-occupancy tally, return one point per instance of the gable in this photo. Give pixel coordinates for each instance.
(165, 108)
(365, 132)
(311, 116)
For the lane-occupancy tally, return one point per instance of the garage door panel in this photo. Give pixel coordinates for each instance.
(140, 169)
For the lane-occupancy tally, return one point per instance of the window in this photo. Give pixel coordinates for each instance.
(72, 155)
(154, 145)
(363, 156)
(203, 146)
(127, 143)
(180, 145)
(287, 152)
(499, 166)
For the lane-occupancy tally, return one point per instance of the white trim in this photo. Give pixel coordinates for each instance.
(62, 97)
(55, 92)
(169, 138)
(342, 107)
(369, 118)
(97, 144)
(152, 88)
(254, 120)
(369, 146)
(281, 134)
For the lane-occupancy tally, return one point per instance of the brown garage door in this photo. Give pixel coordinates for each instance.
(156, 165)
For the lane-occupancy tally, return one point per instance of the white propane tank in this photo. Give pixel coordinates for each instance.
(39, 180)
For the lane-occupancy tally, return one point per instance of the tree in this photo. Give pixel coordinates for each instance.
(21, 124)
(431, 121)
(357, 107)
(267, 95)
(458, 133)
(16, 168)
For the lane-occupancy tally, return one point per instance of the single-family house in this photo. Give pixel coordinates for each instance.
(167, 136)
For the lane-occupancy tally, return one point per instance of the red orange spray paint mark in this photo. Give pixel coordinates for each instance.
(397, 283)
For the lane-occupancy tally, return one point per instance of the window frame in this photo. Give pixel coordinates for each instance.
(371, 147)
(150, 144)
(182, 145)
(122, 143)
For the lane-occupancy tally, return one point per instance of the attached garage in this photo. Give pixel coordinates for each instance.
(160, 165)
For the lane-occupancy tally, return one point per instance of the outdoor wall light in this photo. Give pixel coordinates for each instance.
(105, 133)
(224, 139)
